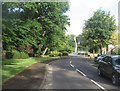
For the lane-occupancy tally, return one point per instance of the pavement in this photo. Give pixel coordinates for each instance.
(31, 78)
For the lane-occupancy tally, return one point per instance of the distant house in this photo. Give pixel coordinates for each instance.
(107, 51)
(110, 49)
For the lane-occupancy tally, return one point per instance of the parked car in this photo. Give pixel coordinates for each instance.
(110, 67)
(99, 57)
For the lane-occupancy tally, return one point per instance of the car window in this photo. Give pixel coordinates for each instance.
(104, 58)
(107, 59)
(102, 55)
(117, 61)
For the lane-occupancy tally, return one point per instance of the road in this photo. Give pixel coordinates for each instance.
(75, 73)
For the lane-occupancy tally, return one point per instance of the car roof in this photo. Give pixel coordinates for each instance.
(114, 56)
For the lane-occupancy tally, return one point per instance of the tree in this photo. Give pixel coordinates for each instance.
(114, 38)
(99, 28)
(82, 42)
(71, 40)
(40, 25)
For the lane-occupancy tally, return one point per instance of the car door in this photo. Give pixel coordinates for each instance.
(103, 65)
(109, 68)
(106, 65)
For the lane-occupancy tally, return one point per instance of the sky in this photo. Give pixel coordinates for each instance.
(81, 10)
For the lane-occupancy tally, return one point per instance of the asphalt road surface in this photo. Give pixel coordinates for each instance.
(75, 73)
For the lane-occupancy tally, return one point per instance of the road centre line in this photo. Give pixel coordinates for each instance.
(88, 78)
(72, 65)
(98, 85)
(81, 72)
(77, 69)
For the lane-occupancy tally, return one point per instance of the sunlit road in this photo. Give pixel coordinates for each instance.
(75, 73)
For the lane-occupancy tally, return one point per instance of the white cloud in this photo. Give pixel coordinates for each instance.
(81, 10)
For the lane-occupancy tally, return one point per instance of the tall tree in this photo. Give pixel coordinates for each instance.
(99, 28)
(114, 38)
(38, 24)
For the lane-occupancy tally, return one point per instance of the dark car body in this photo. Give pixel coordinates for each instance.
(110, 67)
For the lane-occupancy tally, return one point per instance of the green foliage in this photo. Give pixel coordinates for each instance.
(20, 55)
(9, 54)
(116, 51)
(38, 24)
(114, 38)
(16, 55)
(98, 29)
(55, 54)
(64, 53)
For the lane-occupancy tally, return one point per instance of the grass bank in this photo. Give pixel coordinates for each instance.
(12, 67)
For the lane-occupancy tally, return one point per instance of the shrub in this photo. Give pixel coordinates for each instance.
(55, 54)
(24, 55)
(64, 53)
(60, 54)
(67, 50)
(20, 55)
(51, 55)
(86, 53)
(116, 51)
(16, 54)
(9, 54)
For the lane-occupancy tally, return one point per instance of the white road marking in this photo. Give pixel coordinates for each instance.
(98, 85)
(72, 65)
(81, 72)
(49, 84)
(88, 78)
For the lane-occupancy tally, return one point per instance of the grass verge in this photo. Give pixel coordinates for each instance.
(12, 67)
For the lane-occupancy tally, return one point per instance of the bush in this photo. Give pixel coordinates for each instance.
(20, 55)
(69, 51)
(86, 53)
(55, 54)
(64, 53)
(24, 55)
(9, 55)
(116, 51)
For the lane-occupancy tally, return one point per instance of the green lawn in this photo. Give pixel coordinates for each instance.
(12, 67)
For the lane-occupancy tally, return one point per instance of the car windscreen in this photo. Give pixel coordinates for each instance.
(116, 61)
(102, 55)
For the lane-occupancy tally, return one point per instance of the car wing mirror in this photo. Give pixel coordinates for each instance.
(109, 63)
(100, 60)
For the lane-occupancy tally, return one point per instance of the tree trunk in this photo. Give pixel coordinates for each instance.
(106, 48)
(100, 49)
